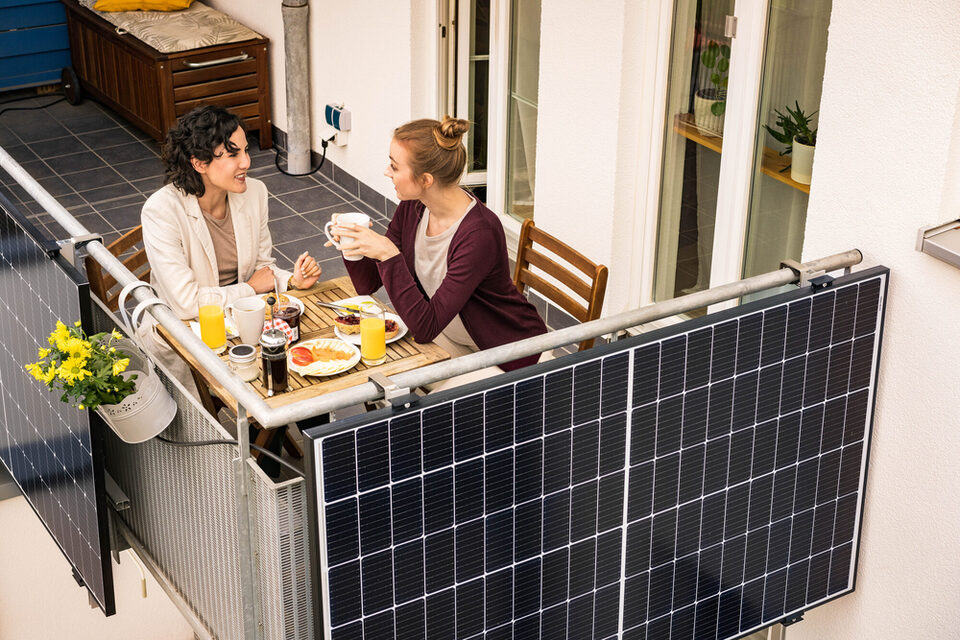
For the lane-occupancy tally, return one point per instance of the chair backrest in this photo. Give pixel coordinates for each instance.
(590, 288)
(129, 249)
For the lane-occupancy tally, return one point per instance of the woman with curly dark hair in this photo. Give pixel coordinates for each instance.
(206, 228)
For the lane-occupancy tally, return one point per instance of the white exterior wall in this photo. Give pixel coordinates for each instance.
(887, 163)
(587, 132)
(377, 58)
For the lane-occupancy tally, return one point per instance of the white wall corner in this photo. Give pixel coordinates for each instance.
(578, 129)
(894, 71)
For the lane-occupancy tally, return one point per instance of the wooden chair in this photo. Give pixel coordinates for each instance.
(590, 287)
(129, 249)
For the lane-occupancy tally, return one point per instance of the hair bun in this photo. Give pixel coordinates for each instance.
(449, 132)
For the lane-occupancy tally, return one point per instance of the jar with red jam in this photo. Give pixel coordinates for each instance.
(290, 315)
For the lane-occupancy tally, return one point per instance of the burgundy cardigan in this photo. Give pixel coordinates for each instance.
(478, 284)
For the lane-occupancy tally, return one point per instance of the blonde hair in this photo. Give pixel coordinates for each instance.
(435, 147)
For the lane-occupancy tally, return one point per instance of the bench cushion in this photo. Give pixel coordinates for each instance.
(170, 32)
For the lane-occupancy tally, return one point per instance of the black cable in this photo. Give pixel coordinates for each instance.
(203, 443)
(43, 106)
(276, 161)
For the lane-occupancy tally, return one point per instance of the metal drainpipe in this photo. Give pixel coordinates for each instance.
(295, 44)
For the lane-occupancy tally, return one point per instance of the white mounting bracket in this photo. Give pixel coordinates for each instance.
(942, 241)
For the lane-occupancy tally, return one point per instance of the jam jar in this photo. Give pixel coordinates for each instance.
(291, 315)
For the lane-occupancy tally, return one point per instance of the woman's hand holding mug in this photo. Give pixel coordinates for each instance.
(337, 221)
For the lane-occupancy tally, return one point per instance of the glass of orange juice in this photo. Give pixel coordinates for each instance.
(373, 343)
(213, 332)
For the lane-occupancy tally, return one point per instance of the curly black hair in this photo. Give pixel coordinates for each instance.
(196, 135)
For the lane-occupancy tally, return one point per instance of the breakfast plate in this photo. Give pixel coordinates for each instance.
(354, 338)
(322, 357)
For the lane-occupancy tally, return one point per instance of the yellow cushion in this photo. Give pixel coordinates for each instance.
(142, 5)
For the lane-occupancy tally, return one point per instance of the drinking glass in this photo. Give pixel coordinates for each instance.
(373, 342)
(213, 331)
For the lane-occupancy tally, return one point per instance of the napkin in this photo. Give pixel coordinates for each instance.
(281, 325)
(231, 330)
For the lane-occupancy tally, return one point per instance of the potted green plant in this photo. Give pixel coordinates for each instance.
(710, 102)
(793, 130)
(107, 373)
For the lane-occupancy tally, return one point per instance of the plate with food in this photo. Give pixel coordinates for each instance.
(347, 328)
(322, 357)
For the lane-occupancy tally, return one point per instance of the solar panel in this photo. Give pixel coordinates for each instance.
(49, 447)
(701, 481)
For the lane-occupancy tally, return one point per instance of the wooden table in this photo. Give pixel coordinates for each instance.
(317, 322)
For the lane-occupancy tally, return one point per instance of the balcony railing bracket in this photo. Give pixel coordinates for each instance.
(396, 395)
(806, 275)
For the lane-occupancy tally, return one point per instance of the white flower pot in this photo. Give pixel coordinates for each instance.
(709, 124)
(147, 411)
(801, 169)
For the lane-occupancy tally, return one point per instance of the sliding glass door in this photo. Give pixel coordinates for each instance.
(728, 206)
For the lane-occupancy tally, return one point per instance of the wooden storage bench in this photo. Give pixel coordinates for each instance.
(152, 89)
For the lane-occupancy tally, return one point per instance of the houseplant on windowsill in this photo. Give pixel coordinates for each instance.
(710, 102)
(794, 131)
(107, 373)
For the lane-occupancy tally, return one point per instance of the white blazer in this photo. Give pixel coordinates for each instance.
(183, 262)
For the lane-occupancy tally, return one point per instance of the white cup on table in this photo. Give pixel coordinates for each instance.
(352, 217)
(247, 315)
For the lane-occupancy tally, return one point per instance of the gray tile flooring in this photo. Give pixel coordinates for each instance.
(101, 169)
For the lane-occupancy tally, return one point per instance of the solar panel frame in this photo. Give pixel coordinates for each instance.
(728, 414)
(51, 436)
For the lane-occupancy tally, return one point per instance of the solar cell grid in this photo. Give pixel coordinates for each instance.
(701, 482)
(45, 444)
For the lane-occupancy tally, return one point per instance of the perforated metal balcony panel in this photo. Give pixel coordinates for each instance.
(51, 450)
(702, 481)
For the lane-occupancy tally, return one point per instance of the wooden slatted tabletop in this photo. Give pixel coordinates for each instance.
(317, 322)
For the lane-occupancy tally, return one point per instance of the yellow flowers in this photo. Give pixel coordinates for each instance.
(59, 335)
(86, 369)
(120, 366)
(72, 370)
(35, 370)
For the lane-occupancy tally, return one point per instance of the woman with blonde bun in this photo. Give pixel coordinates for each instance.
(443, 259)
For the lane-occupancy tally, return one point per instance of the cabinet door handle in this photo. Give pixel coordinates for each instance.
(213, 63)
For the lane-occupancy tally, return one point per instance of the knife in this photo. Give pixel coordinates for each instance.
(336, 307)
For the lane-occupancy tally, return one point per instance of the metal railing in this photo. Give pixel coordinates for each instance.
(268, 416)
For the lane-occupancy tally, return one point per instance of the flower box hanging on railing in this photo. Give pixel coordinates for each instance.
(108, 373)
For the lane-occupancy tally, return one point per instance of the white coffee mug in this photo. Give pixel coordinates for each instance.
(353, 217)
(247, 315)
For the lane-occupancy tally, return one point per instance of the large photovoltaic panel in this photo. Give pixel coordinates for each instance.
(49, 447)
(701, 481)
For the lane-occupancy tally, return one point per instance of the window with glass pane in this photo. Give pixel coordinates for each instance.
(522, 125)
(790, 98)
(479, 91)
(696, 105)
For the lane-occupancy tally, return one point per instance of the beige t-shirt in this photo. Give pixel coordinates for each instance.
(430, 263)
(224, 246)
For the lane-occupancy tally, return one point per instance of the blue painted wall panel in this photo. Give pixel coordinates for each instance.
(32, 15)
(36, 40)
(33, 42)
(35, 62)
